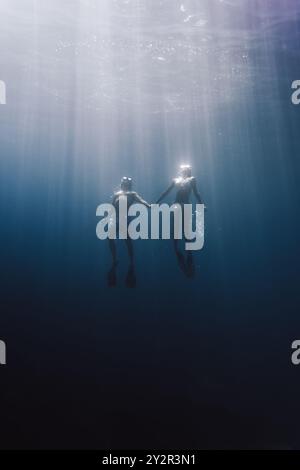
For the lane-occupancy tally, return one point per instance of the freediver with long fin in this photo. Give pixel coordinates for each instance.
(132, 197)
(184, 184)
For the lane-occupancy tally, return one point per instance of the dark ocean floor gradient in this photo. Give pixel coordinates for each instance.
(150, 371)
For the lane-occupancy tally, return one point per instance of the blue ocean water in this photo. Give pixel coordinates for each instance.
(98, 90)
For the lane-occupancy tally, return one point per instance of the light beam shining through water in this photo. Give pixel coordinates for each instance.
(98, 89)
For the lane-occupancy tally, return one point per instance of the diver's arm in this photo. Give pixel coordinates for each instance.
(165, 193)
(140, 200)
(114, 199)
(195, 191)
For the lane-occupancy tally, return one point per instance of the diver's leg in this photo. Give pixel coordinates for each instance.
(178, 226)
(130, 250)
(113, 250)
(180, 257)
(190, 266)
(112, 273)
(130, 278)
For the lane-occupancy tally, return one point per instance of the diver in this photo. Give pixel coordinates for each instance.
(132, 198)
(184, 185)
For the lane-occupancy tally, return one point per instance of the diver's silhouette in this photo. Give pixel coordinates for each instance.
(132, 198)
(184, 185)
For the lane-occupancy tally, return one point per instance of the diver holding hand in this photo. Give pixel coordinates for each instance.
(184, 185)
(132, 197)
